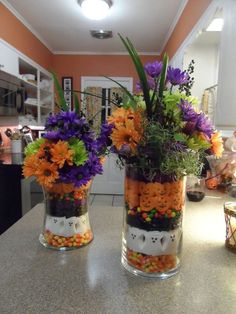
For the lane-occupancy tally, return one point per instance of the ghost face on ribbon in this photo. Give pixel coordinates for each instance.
(153, 242)
(67, 227)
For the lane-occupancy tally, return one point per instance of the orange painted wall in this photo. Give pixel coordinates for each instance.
(96, 65)
(190, 16)
(16, 34)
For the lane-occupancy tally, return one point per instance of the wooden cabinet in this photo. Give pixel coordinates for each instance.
(36, 82)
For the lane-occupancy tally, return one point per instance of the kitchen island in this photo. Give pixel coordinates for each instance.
(92, 280)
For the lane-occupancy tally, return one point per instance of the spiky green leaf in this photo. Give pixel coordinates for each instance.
(125, 90)
(62, 103)
(140, 70)
(163, 75)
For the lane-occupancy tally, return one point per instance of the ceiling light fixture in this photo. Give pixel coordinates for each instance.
(95, 9)
(101, 34)
(216, 25)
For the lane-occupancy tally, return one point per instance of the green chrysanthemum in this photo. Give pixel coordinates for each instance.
(80, 155)
(33, 147)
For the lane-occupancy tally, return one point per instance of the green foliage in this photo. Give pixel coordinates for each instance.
(171, 98)
(163, 76)
(181, 164)
(187, 87)
(153, 145)
(196, 143)
(62, 103)
(32, 148)
(80, 155)
(140, 70)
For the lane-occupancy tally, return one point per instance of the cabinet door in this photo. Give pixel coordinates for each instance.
(8, 60)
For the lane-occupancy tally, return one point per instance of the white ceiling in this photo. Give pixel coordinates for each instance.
(62, 27)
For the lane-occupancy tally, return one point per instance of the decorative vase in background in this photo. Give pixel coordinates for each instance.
(16, 146)
(66, 220)
(152, 230)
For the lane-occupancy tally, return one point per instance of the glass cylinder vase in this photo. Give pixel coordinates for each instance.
(66, 220)
(152, 226)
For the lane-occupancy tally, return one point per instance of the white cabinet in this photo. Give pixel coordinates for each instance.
(36, 82)
(38, 86)
(8, 60)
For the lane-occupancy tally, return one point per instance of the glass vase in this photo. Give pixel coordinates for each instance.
(66, 220)
(152, 225)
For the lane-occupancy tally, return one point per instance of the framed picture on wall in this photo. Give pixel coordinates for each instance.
(67, 85)
(41, 133)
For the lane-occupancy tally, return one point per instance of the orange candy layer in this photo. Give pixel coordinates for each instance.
(163, 196)
(75, 241)
(151, 264)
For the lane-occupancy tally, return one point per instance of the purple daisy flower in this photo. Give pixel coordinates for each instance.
(176, 77)
(104, 140)
(189, 114)
(151, 85)
(190, 127)
(204, 124)
(77, 175)
(153, 69)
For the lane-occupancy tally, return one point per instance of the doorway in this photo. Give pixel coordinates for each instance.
(98, 109)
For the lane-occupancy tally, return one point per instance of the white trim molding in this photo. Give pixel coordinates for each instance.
(88, 53)
(174, 23)
(177, 59)
(97, 80)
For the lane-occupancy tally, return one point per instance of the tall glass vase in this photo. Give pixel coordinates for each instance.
(66, 220)
(152, 226)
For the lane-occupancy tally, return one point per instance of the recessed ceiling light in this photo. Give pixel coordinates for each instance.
(101, 34)
(216, 25)
(95, 9)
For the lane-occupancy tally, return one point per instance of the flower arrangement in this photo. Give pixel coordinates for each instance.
(159, 128)
(64, 163)
(161, 137)
(69, 153)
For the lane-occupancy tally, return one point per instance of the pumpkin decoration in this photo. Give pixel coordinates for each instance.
(154, 195)
(212, 182)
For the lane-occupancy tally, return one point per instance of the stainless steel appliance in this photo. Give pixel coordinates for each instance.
(12, 95)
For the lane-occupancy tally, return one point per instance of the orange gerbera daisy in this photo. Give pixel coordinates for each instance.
(80, 192)
(217, 144)
(138, 119)
(47, 174)
(61, 154)
(122, 135)
(44, 147)
(30, 165)
(120, 115)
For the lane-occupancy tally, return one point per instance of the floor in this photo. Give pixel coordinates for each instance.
(110, 200)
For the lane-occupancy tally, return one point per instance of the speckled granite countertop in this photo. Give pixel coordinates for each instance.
(90, 280)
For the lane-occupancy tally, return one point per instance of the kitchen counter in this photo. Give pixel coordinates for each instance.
(15, 199)
(92, 280)
(11, 159)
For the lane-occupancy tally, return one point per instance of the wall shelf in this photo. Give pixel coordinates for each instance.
(38, 85)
